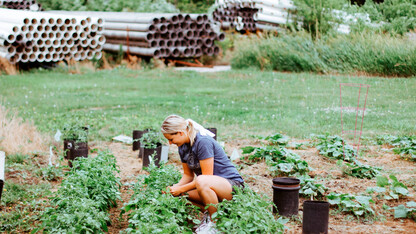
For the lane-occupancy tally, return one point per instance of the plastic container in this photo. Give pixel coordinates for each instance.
(286, 196)
(1, 188)
(137, 134)
(148, 152)
(77, 149)
(315, 217)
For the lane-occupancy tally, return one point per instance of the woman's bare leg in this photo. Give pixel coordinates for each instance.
(212, 189)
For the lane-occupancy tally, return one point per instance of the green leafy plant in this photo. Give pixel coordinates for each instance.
(309, 188)
(357, 205)
(81, 203)
(277, 139)
(315, 16)
(247, 212)
(151, 139)
(408, 211)
(335, 147)
(281, 160)
(403, 145)
(51, 172)
(359, 170)
(75, 130)
(152, 209)
(389, 189)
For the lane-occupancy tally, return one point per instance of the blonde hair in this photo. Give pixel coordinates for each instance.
(175, 123)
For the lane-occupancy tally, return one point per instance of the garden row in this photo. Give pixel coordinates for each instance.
(152, 209)
(82, 201)
(283, 162)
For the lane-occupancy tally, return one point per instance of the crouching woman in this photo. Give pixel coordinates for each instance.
(202, 156)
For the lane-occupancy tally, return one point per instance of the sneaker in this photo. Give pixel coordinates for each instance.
(206, 226)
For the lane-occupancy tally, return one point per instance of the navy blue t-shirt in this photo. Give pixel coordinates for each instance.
(206, 147)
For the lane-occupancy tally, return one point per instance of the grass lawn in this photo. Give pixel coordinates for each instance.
(239, 103)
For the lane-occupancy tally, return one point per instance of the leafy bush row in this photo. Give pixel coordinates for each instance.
(284, 162)
(334, 147)
(81, 203)
(152, 209)
(360, 205)
(247, 212)
(372, 54)
(403, 145)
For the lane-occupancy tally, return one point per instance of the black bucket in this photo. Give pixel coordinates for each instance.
(315, 217)
(147, 152)
(213, 130)
(137, 134)
(286, 196)
(1, 188)
(78, 149)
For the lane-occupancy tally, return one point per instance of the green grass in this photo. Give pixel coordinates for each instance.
(239, 103)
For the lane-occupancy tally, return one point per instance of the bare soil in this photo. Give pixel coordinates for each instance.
(259, 179)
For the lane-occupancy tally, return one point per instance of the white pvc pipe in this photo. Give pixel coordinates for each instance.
(270, 19)
(2, 164)
(272, 11)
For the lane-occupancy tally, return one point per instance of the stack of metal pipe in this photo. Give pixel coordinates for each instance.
(160, 35)
(21, 5)
(235, 15)
(266, 14)
(27, 36)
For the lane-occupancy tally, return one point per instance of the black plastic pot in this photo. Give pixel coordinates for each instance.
(76, 149)
(137, 134)
(213, 130)
(315, 217)
(286, 196)
(1, 188)
(147, 152)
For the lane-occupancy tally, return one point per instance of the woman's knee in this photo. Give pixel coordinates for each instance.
(202, 182)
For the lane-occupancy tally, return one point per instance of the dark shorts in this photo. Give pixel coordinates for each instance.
(236, 184)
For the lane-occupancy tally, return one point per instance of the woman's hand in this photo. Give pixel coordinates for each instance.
(175, 190)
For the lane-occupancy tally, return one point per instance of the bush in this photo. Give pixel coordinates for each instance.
(109, 5)
(369, 53)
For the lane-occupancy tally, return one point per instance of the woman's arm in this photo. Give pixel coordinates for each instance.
(207, 166)
(188, 175)
(185, 184)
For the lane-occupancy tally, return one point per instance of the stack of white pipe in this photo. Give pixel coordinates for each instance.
(27, 36)
(266, 14)
(160, 35)
(21, 5)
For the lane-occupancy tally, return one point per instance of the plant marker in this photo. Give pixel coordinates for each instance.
(2, 165)
(359, 109)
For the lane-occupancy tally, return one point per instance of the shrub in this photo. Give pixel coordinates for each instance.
(369, 53)
(109, 5)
